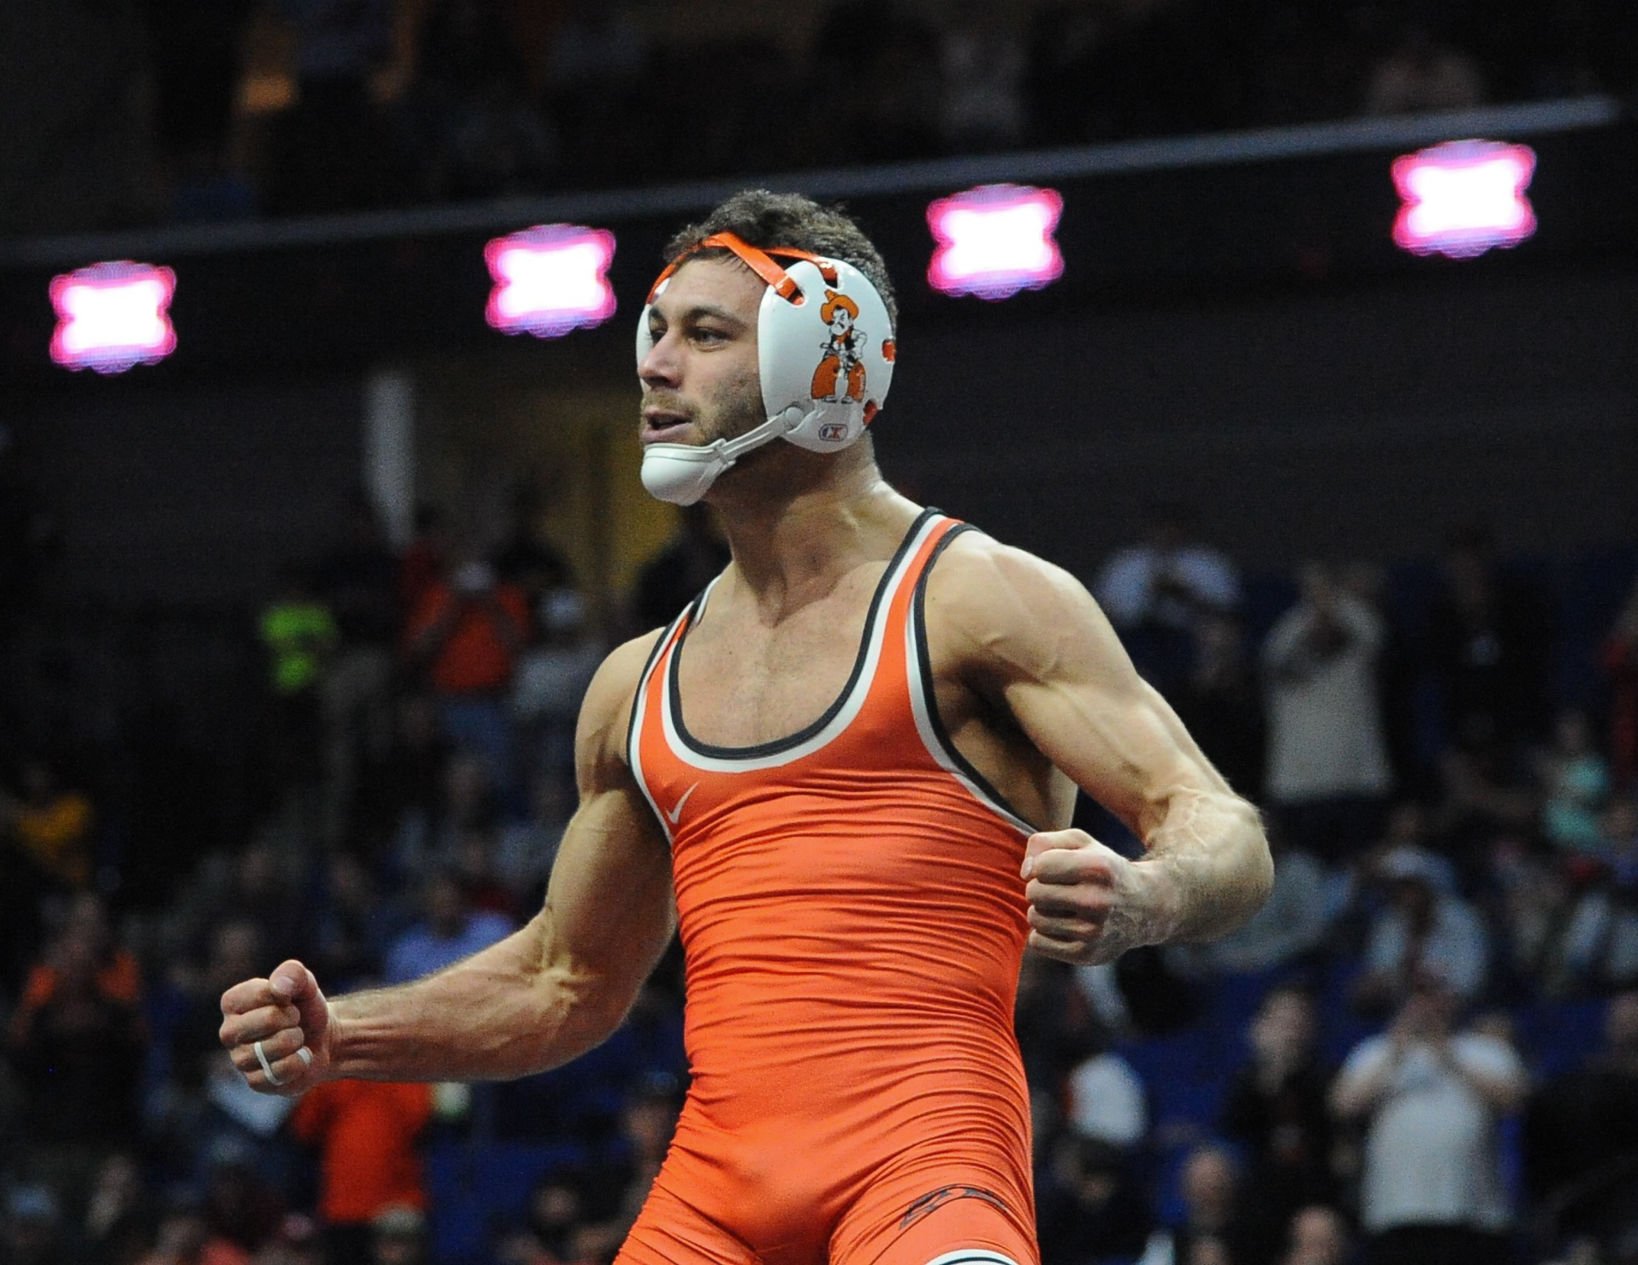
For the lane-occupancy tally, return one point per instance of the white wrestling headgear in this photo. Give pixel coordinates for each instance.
(825, 355)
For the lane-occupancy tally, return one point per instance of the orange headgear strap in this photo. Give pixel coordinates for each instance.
(758, 261)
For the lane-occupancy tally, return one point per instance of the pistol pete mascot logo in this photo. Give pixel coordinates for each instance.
(841, 371)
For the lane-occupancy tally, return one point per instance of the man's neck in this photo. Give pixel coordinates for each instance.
(792, 548)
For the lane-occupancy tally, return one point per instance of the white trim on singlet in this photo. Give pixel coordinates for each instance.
(973, 1256)
(634, 732)
(922, 708)
(846, 710)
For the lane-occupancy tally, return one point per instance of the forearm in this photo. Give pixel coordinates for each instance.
(501, 1013)
(1210, 850)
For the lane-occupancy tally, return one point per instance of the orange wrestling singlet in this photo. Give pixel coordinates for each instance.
(852, 921)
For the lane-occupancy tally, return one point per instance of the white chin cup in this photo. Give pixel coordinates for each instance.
(683, 473)
(680, 473)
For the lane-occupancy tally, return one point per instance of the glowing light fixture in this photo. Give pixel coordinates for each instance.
(995, 240)
(1464, 197)
(113, 315)
(550, 279)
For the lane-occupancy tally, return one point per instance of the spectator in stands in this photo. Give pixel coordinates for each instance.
(1575, 782)
(185, 1237)
(357, 580)
(1220, 701)
(1328, 770)
(237, 1203)
(400, 820)
(551, 680)
(1320, 1235)
(1488, 790)
(474, 863)
(647, 1122)
(425, 560)
(263, 883)
(1600, 940)
(118, 974)
(1424, 935)
(398, 1236)
(51, 824)
(183, 1115)
(1619, 656)
(1215, 1224)
(674, 576)
(1158, 591)
(1092, 1205)
(1530, 899)
(297, 1241)
(31, 1230)
(1430, 1100)
(1489, 635)
(465, 638)
(449, 931)
(366, 1134)
(464, 797)
(355, 922)
(1581, 1136)
(554, 1221)
(1276, 1108)
(1105, 1101)
(1421, 73)
(525, 555)
(78, 1055)
(299, 634)
(119, 1220)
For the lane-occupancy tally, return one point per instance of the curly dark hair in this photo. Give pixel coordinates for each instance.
(766, 219)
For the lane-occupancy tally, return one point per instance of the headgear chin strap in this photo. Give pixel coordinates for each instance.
(825, 354)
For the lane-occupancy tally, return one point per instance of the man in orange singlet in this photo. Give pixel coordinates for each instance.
(845, 774)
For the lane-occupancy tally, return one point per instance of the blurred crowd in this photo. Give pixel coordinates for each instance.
(1426, 1043)
(239, 108)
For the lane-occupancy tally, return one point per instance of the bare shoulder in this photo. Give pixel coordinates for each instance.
(606, 707)
(997, 602)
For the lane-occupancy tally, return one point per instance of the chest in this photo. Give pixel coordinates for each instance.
(744, 680)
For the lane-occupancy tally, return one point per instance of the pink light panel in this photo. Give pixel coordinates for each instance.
(1462, 198)
(995, 240)
(549, 280)
(113, 315)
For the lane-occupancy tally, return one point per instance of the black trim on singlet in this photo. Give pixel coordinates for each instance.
(924, 665)
(778, 745)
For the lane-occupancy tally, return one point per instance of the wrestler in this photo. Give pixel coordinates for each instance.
(845, 773)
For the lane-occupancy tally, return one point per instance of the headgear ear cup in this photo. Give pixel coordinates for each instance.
(828, 353)
(825, 351)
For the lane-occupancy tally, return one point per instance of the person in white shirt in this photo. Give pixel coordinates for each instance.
(1431, 1100)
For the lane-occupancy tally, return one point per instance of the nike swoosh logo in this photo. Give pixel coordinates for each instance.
(677, 811)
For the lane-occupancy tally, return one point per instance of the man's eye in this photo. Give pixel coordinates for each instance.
(704, 334)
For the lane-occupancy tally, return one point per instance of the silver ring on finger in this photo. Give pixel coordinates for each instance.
(267, 1068)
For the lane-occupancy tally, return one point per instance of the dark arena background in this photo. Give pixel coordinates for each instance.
(1247, 314)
